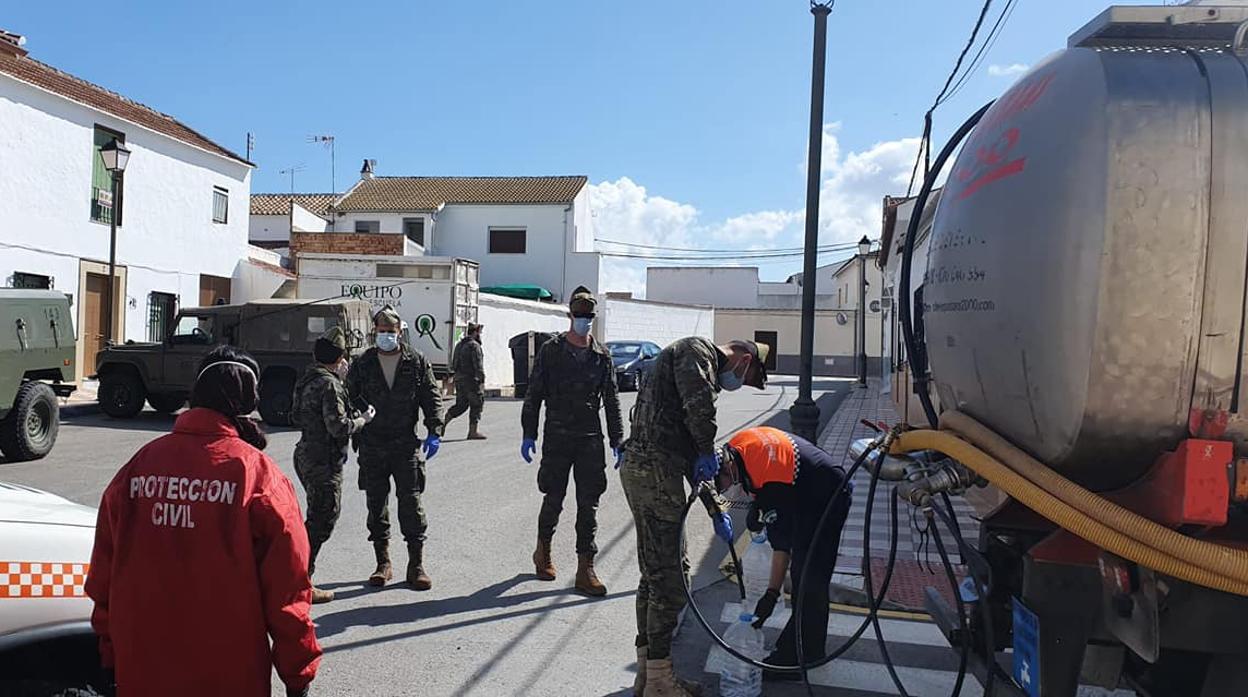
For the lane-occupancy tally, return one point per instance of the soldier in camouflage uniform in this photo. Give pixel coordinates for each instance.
(574, 375)
(468, 366)
(673, 441)
(398, 381)
(326, 421)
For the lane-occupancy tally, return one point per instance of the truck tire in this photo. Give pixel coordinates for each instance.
(121, 394)
(29, 431)
(166, 402)
(277, 397)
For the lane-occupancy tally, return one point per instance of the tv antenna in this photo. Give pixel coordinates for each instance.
(292, 170)
(328, 141)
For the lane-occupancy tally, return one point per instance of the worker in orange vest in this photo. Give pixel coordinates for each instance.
(791, 482)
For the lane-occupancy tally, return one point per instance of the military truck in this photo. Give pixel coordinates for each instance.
(36, 366)
(278, 333)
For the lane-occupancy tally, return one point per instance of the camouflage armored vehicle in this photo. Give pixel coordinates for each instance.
(36, 365)
(277, 333)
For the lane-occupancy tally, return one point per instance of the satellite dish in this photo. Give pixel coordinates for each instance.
(875, 305)
(841, 319)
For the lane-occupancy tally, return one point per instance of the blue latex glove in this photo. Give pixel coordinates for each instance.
(432, 443)
(723, 527)
(527, 447)
(705, 468)
(619, 457)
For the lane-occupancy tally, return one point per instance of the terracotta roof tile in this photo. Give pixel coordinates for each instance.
(279, 204)
(46, 77)
(399, 194)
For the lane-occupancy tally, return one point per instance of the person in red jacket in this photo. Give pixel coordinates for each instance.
(201, 556)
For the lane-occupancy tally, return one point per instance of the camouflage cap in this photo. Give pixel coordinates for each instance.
(330, 346)
(387, 315)
(583, 301)
(759, 353)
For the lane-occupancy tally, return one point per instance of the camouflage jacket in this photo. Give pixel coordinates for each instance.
(574, 392)
(321, 410)
(468, 360)
(675, 411)
(398, 407)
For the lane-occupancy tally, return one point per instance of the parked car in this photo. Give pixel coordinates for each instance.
(278, 333)
(47, 646)
(36, 367)
(634, 360)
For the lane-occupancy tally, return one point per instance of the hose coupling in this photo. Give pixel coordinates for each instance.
(950, 478)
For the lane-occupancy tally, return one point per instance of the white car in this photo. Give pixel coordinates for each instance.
(46, 643)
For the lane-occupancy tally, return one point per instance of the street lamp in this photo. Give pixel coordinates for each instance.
(864, 248)
(116, 157)
(804, 414)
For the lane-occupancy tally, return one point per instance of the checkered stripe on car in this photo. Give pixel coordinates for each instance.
(30, 579)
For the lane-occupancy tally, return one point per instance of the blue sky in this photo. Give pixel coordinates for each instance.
(688, 116)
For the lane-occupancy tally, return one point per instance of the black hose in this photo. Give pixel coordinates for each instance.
(982, 587)
(962, 628)
(907, 256)
(876, 601)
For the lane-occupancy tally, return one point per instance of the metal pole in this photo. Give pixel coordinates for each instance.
(862, 320)
(333, 168)
(804, 414)
(112, 265)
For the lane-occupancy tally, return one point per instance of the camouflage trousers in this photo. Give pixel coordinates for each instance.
(401, 462)
(469, 397)
(584, 460)
(319, 467)
(655, 488)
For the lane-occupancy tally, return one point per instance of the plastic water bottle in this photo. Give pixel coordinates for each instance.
(756, 565)
(737, 678)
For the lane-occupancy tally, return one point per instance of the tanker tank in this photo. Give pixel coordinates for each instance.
(1085, 289)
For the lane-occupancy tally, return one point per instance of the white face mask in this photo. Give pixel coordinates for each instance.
(387, 341)
(340, 369)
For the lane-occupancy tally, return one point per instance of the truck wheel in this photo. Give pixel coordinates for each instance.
(121, 394)
(29, 430)
(277, 396)
(166, 403)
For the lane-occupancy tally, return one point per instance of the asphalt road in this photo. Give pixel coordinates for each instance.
(488, 627)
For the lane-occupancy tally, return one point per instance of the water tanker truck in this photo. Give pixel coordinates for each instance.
(1082, 319)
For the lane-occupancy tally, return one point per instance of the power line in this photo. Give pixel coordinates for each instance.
(830, 247)
(989, 42)
(927, 118)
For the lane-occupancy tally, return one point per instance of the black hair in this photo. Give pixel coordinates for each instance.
(231, 390)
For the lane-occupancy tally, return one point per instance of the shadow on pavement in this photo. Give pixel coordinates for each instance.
(487, 598)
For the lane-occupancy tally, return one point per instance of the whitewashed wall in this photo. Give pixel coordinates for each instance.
(304, 220)
(257, 281)
(504, 318)
(268, 228)
(716, 286)
(662, 323)
(167, 238)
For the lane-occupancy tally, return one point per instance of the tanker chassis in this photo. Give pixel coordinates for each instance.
(1096, 218)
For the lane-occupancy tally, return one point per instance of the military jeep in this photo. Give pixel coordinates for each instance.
(278, 333)
(36, 366)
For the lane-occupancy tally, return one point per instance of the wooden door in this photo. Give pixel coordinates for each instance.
(213, 290)
(93, 319)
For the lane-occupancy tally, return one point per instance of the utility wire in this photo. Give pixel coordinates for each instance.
(838, 245)
(984, 48)
(927, 118)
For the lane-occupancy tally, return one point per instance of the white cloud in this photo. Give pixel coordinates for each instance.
(853, 186)
(1011, 70)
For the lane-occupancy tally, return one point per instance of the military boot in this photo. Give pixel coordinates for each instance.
(586, 579)
(661, 681)
(473, 433)
(543, 566)
(383, 572)
(639, 683)
(318, 595)
(416, 569)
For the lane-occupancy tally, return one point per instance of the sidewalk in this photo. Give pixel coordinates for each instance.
(83, 400)
(917, 563)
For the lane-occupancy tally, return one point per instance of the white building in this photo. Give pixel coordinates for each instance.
(770, 312)
(181, 210)
(522, 230)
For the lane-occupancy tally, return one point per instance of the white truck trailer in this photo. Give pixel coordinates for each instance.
(436, 296)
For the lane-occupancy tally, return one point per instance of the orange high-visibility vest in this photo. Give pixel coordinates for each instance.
(769, 455)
